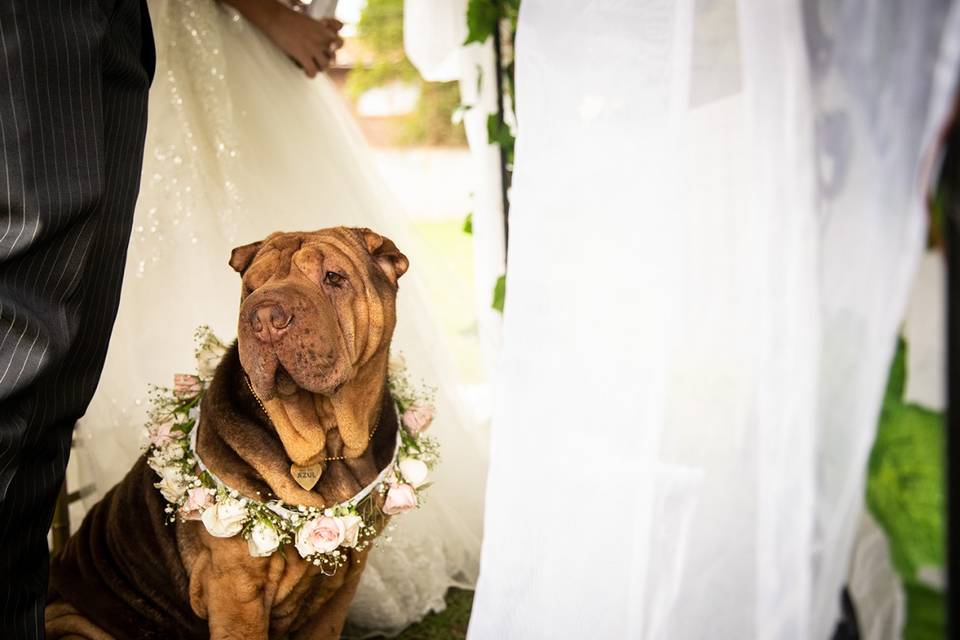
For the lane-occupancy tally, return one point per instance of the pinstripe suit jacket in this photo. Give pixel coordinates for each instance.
(74, 77)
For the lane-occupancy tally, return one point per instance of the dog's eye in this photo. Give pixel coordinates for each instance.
(333, 278)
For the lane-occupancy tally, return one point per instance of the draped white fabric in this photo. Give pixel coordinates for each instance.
(717, 211)
(433, 31)
(883, 75)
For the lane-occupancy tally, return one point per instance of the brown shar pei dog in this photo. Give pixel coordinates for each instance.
(317, 315)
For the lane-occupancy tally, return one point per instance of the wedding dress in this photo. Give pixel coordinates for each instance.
(239, 144)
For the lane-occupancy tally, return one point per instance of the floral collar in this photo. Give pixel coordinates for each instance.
(320, 536)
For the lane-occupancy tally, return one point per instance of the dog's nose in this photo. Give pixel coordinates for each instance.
(269, 322)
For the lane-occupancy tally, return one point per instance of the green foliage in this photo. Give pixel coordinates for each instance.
(380, 32)
(484, 15)
(468, 224)
(449, 624)
(498, 132)
(431, 123)
(484, 18)
(378, 74)
(926, 614)
(381, 28)
(905, 493)
(499, 293)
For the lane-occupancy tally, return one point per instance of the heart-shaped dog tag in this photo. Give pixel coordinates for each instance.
(306, 477)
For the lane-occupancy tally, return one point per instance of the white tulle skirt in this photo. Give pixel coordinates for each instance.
(240, 144)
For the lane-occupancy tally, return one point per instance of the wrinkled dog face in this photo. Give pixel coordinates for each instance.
(315, 307)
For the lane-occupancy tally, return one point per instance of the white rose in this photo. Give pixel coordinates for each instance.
(210, 351)
(173, 452)
(263, 539)
(225, 518)
(155, 463)
(396, 365)
(351, 530)
(413, 471)
(171, 484)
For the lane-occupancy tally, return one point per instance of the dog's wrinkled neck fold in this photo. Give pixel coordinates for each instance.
(381, 452)
(238, 441)
(315, 427)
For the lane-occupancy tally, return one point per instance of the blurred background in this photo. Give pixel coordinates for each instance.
(416, 132)
(422, 154)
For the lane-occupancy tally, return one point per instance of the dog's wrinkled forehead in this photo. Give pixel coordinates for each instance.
(339, 252)
(272, 258)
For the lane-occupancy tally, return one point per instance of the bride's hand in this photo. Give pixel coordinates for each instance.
(312, 44)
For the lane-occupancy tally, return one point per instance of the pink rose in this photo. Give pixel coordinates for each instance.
(198, 500)
(185, 384)
(400, 498)
(320, 535)
(417, 418)
(160, 435)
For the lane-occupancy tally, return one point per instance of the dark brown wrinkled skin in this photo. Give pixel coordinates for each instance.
(127, 574)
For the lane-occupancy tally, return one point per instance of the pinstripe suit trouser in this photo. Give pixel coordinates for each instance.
(74, 77)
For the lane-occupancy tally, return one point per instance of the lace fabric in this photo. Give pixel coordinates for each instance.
(191, 136)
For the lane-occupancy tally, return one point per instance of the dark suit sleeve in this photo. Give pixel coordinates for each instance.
(74, 77)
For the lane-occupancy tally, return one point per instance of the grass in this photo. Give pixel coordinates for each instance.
(448, 275)
(449, 624)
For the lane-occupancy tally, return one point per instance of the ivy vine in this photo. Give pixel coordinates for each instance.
(497, 19)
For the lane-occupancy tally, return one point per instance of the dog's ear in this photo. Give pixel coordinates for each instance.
(393, 263)
(241, 257)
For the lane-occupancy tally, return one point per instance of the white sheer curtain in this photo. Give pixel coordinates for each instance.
(717, 209)
(882, 76)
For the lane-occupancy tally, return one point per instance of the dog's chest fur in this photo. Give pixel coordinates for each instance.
(223, 576)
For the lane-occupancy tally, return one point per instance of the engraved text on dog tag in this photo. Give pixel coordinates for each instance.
(306, 477)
